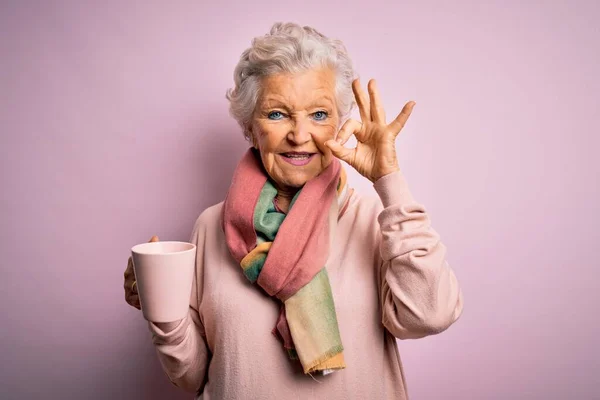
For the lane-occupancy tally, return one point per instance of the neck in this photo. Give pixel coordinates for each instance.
(285, 196)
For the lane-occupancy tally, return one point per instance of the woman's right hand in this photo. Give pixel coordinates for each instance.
(130, 285)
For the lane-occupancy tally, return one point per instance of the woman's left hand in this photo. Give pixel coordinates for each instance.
(375, 152)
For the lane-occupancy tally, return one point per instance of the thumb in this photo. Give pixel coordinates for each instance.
(153, 239)
(341, 152)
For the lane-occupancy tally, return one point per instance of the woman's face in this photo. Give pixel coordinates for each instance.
(294, 116)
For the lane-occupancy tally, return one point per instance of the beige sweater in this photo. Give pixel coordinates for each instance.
(389, 277)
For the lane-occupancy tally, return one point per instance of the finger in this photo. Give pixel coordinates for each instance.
(128, 269)
(349, 128)
(133, 300)
(397, 124)
(129, 297)
(361, 101)
(127, 285)
(341, 152)
(377, 111)
(153, 239)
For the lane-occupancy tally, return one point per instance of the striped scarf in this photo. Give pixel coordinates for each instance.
(286, 255)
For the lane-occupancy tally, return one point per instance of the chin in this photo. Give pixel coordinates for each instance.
(296, 183)
(295, 178)
(298, 180)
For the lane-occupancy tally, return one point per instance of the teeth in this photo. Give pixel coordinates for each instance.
(303, 157)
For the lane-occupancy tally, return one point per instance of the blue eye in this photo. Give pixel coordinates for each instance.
(275, 115)
(320, 115)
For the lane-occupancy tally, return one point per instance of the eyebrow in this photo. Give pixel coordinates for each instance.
(273, 102)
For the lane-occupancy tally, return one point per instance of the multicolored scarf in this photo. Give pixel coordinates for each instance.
(286, 255)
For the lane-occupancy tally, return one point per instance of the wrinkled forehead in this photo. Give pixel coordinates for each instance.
(315, 87)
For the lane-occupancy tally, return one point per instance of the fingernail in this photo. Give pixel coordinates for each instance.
(339, 140)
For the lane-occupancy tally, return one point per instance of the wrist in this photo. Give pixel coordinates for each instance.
(383, 173)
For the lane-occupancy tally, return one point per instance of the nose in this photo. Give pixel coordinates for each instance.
(299, 134)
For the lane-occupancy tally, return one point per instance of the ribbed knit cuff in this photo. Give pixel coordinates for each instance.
(393, 189)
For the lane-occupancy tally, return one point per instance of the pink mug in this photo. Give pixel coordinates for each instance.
(164, 273)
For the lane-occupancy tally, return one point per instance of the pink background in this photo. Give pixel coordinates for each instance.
(114, 127)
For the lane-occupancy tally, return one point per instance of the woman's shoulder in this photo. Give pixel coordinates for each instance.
(209, 218)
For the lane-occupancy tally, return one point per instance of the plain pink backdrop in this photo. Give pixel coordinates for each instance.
(114, 127)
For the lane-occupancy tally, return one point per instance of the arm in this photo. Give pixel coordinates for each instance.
(181, 346)
(419, 295)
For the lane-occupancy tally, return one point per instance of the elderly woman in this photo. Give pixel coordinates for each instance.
(297, 274)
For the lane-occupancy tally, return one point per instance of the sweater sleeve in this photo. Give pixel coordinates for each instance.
(419, 292)
(183, 351)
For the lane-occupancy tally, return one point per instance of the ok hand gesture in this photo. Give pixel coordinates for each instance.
(375, 153)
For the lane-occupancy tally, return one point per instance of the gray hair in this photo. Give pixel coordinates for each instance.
(288, 48)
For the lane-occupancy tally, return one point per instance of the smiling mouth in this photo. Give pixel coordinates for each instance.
(297, 156)
(298, 159)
